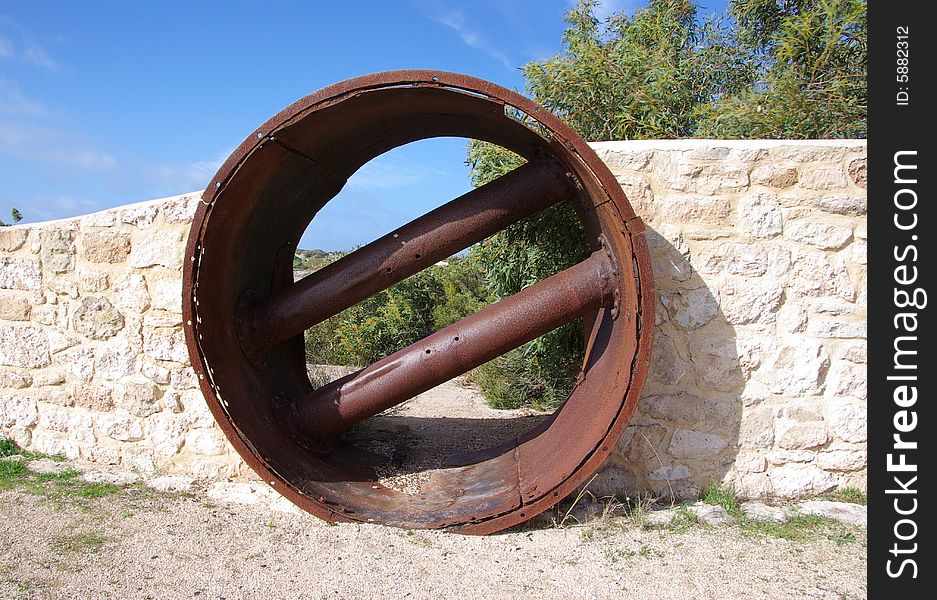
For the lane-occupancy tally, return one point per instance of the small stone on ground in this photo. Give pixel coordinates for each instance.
(853, 514)
(759, 511)
(171, 483)
(121, 478)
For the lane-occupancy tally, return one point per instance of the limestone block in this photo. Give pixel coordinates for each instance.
(58, 250)
(140, 216)
(91, 281)
(206, 442)
(138, 398)
(12, 238)
(20, 273)
(750, 462)
(165, 249)
(130, 292)
(165, 344)
(180, 209)
(687, 443)
(841, 460)
(15, 380)
(667, 366)
(106, 246)
(14, 308)
(24, 346)
(155, 373)
(115, 361)
(694, 209)
(48, 442)
(166, 293)
(735, 258)
(823, 178)
(612, 480)
(858, 171)
(800, 435)
(847, 379)
(759, 215)
(792, 480)
(97, 318)
(716, 361)
(120, 427)
(758, 511)
(690, 309)
(17, 410)
(93, 397)
(821, 233)
(705, 414)
(847, 419)
(77, 362)
(775, 176)
(669, 253)
(167, 433)
(671, 473)
(841, 205)
(792, 318)
(854, 514)
(854, 351)
(757, 427)
(747, 302)
(754, 485)
(797, 370)
(640, 444)
(815, 273)
(836, 328)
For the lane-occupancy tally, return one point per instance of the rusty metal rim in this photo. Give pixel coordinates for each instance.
(632, 229)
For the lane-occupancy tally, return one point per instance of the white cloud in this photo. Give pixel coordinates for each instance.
(455, 20)
(18, 44)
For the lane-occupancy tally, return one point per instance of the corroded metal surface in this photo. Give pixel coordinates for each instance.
(244, 316)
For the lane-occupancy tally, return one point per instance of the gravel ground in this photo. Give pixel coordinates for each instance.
(241, 540)
(139, 543)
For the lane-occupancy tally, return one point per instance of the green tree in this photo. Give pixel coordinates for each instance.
(15, 215)
(812, 58)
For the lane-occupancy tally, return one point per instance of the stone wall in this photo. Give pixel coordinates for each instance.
(757, 378)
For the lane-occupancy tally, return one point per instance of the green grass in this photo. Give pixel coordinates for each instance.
(800, 528)
(62, 485)
(851, 495)
(724, 496)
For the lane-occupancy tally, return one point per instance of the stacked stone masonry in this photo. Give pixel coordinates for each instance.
(757, 378)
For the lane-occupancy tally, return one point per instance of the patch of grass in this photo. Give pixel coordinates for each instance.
(683, 519)
(60, 485)
(77, 543)
(97, 490)
(724, 496)
(799, 528)
(850, 494)
(11, 472)
(8, 447)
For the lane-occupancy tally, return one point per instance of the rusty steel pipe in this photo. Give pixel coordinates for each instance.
(316, 417)
(436, 235)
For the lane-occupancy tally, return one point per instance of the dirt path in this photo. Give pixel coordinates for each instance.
(138, 543)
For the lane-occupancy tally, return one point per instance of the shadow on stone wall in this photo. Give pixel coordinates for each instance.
(684, 433)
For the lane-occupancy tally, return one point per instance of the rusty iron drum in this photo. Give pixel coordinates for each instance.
(245, 316)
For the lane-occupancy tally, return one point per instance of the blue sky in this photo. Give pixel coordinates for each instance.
(107, 103)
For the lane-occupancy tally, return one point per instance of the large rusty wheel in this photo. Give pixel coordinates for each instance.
(245, 317)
